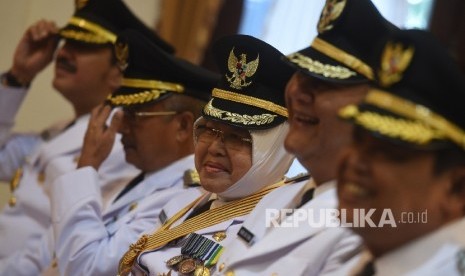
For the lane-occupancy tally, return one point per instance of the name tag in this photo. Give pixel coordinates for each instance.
(246, 235)
(162, 216)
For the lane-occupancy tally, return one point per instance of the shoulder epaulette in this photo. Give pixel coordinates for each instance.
(298, 178)
(191, 178)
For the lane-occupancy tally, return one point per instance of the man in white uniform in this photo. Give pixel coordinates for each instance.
(408, 160)
(331, 73)
(85, 74)
(161, 97)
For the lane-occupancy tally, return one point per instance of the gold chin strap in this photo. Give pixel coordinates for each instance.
(91, 27)
(343, 57)
(206, 219)
(417, 112)
(244, 99)
(152, 84)
(153, 89)
(422, 127)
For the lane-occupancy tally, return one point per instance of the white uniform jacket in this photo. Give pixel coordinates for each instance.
(89, 241)
(154, 262)
(290, 249)
(439, 253)
(42, 161)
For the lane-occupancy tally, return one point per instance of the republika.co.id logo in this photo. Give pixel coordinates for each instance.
(332, 217)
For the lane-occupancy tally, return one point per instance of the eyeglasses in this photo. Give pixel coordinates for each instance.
(134, 115)
(207, 135)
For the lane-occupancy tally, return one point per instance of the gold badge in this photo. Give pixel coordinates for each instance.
(191, 178)
(330, 13)
(219, 236)
(122, 54)
(80, 4)
(187, 266)
(174, 261)
(240, 70)
(14, 183)
(201, 270)
(394, 62)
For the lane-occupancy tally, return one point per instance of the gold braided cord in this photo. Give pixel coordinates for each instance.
(417, 112)
(245, 119)
(314, 66)
(410, 131)
(153, 84)
(93, 28)
(137, 98)
(206, 219)
(343, 57)
(83, 36)
(239, 98)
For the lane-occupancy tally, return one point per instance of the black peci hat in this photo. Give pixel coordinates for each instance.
(348, 30)
(420, 95)
(250, 93)
(98, 22)
(151, 74)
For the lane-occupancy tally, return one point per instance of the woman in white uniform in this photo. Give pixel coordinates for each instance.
(239, 156)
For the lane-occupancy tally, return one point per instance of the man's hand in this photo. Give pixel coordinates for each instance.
(99, 138)
(34, 51)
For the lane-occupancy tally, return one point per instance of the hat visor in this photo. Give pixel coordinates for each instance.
(82, 36)
(136, 97)
(315, 64)
(394, 128)
(241, 115)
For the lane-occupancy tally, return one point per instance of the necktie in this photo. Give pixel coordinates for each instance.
(368, 270)
(130, 186)
(200, 209)
(307, 196)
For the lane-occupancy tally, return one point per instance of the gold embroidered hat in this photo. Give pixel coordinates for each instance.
(151, 74)
(250, 93)
(420, 94)
(98, 22)
(348, 30)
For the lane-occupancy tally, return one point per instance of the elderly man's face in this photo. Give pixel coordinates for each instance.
(377, 174)
(150, 141)
(316, 133)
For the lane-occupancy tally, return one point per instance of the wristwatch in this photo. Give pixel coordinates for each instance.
(10, 80)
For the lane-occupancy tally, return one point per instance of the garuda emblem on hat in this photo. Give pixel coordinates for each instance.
(394, 61)
(80, 4)
(330, 13)
(122, 53)
(240, 70)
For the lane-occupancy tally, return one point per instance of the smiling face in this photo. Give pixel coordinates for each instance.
(380, 175)
(219, 167)
(316, 133)
(85, 75)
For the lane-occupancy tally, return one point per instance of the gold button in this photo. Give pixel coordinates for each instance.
(41, 177)
(230, 273)
(12, 201)
(76, 158)
(133, 206)
(221, 267)
(219, 236)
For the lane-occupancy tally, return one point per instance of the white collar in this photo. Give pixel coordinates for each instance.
(419, 251)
